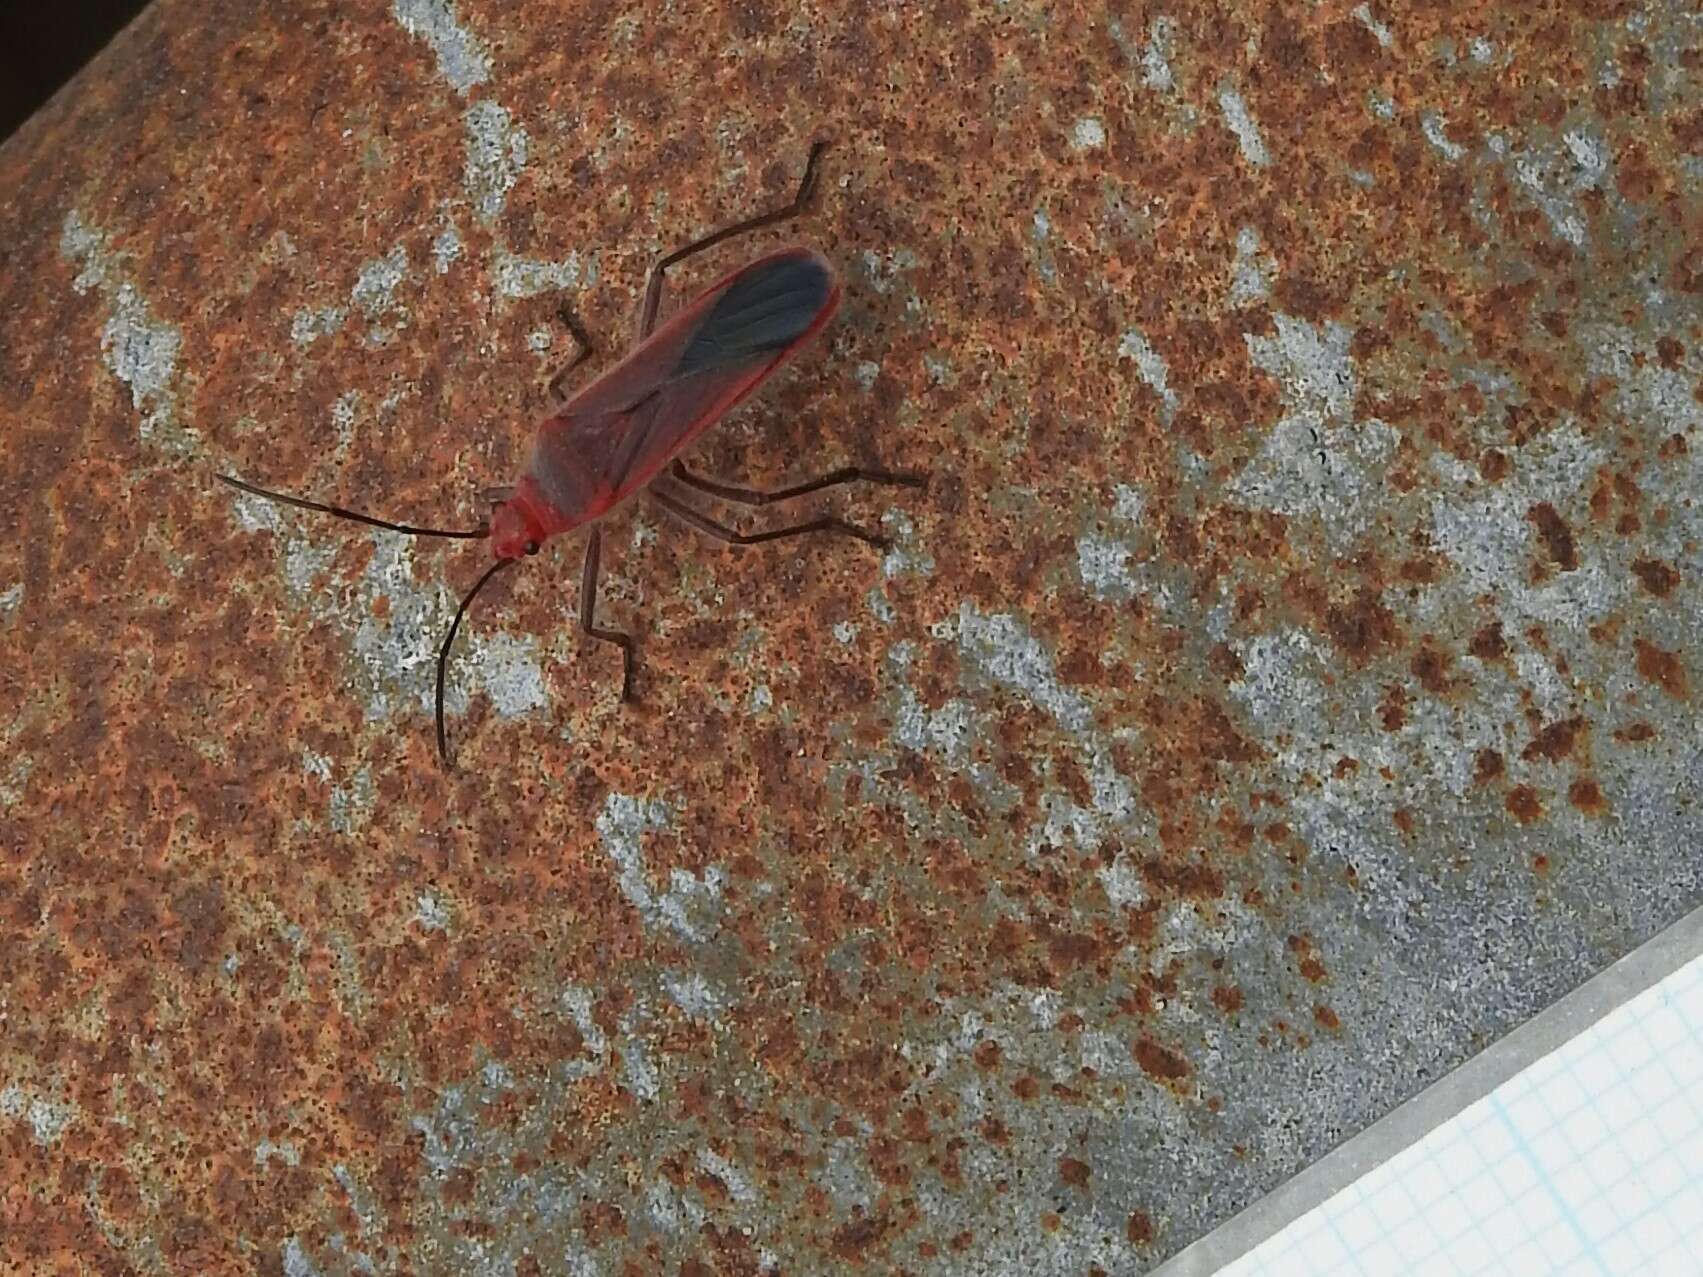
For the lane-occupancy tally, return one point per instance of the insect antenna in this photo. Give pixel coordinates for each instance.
(303, 503)
(443, 652)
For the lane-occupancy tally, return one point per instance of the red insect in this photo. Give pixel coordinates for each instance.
(620, 433)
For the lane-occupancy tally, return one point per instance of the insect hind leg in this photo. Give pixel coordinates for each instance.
(721, 532)
(653, 285)
(768, 496)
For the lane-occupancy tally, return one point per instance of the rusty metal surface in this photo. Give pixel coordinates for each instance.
(1285, 687)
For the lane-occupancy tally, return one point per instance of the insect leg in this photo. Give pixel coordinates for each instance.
(653, 286)
(759, 496)
(721, 532)
(582, 339)
(588, 607)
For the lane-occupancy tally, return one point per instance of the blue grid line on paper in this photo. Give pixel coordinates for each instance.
(1587, 1163)
(1524, 1151)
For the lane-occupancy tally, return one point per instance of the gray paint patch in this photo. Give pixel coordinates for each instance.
(1241, 123)
(47, 1117)
(1151, 367)
(375, 286)
(312, 323)
(1103, 564)
(1156, 58)
(1089, 134)
(516, 277)
(507, 668)
(446, 249)
(1253, 270)
(496, 155)
(691, 906)
(462, 60)
(140, 350)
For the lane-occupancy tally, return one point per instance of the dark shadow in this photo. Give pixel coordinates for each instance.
(44, 45)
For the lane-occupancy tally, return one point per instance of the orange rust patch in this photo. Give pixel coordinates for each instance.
(1138, 1228)
(1159, 1062)
(1487, 766)
(1196, 881)
(1522, 803)
(1073, 1172)
(1663, 668)
(1556, 536)
(1392, 710)
(1227, 998)
(1658, 577)
(1585, 794)
(1362, 627)
(1489, 644)
(858, 1234)
(1327, 1018)
(1311, 967)
(1555, 741)
(1431, 667)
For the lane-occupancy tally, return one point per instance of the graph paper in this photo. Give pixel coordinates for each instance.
(1588, 1162)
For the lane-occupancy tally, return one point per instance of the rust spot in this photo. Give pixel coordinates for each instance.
(1431, 668)
(1227, 998)
(1657, 577)
(1585, 794)
(1661, 667)
(1633, 733)
(1307, 958)
(1362, 627)
(858, 1234)
(1199, 881)
(1522, 804)
(1392, 710)
(1159, 1062)
(1555, 741)
(1073, 1172)
(1557, 537)
(1540, 863)
(1139, 1228)
(1326, 1017)
(1487, 765)
(1489, 644)
(986, 1054)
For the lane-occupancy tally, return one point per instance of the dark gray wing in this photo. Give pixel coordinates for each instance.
(765, 310)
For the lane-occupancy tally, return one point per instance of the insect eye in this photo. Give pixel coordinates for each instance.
(532, 547)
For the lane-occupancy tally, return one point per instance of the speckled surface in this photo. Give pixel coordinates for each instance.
(1285, 687)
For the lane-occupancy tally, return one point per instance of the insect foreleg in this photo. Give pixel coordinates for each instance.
(588, 610)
